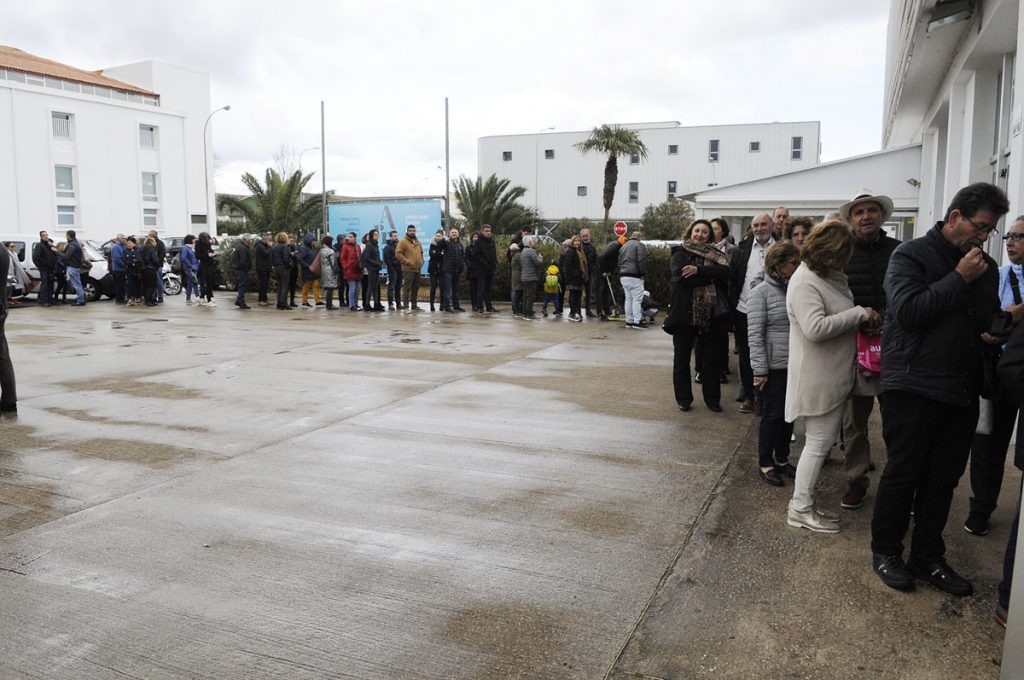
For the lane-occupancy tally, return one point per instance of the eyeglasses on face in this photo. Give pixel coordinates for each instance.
(1015, 237)
(981, 228)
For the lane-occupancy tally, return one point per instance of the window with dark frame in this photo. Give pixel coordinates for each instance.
(506, 155)
(712, 151)
(634, 159)
(549, 154)
(581, 191)
(671, 189)
(755, 147)
(673, 149)
(634, 192)
(797, 147)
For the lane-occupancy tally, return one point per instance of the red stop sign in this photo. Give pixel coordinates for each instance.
(620, 228)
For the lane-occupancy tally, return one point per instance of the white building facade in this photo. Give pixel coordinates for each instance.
(562, 182)
(119, 150)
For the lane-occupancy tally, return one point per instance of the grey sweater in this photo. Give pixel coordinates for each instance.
(531, 265)
(767, 327)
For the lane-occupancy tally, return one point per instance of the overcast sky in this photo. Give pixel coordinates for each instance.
(384, 67)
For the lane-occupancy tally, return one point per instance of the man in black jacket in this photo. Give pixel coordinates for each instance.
(45, 260)
(394, 268)
(262, 252)
(746, 263)
(487, 258)
(942, 298)
(8, 395)
(161, 251)
(73, 260)
(608, 264)
(241, 260)
(453, 262)
(865, 274)
(593, 284)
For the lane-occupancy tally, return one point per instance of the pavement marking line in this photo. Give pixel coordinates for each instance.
(712, 495)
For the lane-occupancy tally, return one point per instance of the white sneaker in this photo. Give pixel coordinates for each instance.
(811, 520)
(211, 303)
(202, 303)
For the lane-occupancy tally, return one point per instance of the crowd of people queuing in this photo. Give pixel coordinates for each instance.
(830, 317)
(827, 319)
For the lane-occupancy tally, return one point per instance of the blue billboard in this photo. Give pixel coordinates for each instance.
(387, 215)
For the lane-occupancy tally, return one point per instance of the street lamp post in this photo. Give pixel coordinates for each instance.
(312, 148)
(206, 171)
(536, 168)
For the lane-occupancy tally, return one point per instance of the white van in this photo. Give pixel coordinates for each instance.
(97, 282)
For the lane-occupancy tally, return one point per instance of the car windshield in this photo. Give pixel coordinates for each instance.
(91, 253)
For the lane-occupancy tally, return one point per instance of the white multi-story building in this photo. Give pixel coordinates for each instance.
(117, 150)
(949, 86)
(562, 182)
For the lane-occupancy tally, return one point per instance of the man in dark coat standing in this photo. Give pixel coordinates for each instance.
(487, 258)
(241, 260)
(942, 299)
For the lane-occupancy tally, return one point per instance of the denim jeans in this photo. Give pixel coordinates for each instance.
(633, 291)
(353, 297)
(243, 285)
(160, 285)
(450, 290)
(191, 284)
(75, 279)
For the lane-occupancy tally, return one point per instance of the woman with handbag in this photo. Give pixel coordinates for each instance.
(823, 323)
(699, 310)
(768, 339)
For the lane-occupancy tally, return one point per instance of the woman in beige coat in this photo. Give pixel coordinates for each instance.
(823, 324)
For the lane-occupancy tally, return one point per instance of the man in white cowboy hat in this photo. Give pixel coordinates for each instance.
(865, 272)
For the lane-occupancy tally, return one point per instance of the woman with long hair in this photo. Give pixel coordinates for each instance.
(768, 339)
(207, 269)
(575, 276)
(699, 308)
(823, 323)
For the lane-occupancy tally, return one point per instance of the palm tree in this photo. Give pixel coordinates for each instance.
(615, 141)
(277, 205)
(493, 201)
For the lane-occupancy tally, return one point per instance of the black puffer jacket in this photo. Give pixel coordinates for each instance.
(487, 255)
(865, 272)
(931, 342)
(454, 254)
(262, 251)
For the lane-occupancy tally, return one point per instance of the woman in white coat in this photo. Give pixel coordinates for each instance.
(823, 325)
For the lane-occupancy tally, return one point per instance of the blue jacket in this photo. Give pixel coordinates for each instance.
(117, 258)
(189, 261)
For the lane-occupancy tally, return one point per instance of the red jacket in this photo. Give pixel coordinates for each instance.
(349, 257)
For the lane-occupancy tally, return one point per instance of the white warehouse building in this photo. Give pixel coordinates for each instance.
(562, 182)
(117, 150)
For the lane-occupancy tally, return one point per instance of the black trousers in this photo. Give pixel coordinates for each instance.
(774, 432)
(149, 283)
(928, 444)
(8, 389)
(588, 287)
(529, 297)
(743, 345)
(484, 290)
(575, 297)
(119, 286)
(603, 295)
(207, 279)
(683, 343)
(435, 283)
(988, 454)
(283, 285)
(264, 283)
(372, 290)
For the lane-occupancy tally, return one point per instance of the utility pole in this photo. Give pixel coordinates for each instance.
(323, 166)
(447, 179)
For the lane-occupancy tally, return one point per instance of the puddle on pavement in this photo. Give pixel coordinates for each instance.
(601, 522)
(157, 456)
(515, 638)
(23, 506)
(87, 417)
(133, 386)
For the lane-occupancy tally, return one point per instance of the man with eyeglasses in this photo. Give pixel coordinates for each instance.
(942, 291)
(865, 274)
(988, 451)
(746, 263)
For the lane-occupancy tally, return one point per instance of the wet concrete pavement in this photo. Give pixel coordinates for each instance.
(193, 492)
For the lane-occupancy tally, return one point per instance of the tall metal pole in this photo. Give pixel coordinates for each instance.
(323, 165)
(447, 179)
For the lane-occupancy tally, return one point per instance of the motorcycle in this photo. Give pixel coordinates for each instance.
(172, 282)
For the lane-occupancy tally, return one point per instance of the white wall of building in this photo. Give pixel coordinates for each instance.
(552, 183)
(106, 154)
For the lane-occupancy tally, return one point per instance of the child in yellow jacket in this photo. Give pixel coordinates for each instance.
(552, 289)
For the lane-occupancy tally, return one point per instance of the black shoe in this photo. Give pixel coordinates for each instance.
(786, 470)
(244, 306)
(698, 378)
(685, 406)
(976, 524)
(460, 309)
(714, 406)
(742, 396)
(942, 576)
(772, 477)
(8, 408)
(893, 571)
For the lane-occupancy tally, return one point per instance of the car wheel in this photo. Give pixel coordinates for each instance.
(171, 286)
(92, 289)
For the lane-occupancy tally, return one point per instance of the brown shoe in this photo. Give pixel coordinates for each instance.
(854, 496)
(747, 406)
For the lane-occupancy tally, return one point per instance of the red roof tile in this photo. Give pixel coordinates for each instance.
(13, 59)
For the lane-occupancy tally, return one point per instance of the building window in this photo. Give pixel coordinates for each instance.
(712, 151)
(64, 179)
(797, 148)
(549, 154)
(755, 147)
(581, 191)
(61, 125)
(671, 190)
(634, 192)
(634, 159)
(673, 149)
(147, 136)
(149, 217)
(506, 155)
(198, 219)
(149, 190)
(66, 216)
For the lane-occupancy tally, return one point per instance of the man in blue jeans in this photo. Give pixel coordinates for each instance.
(453, 261)
(72, 259)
